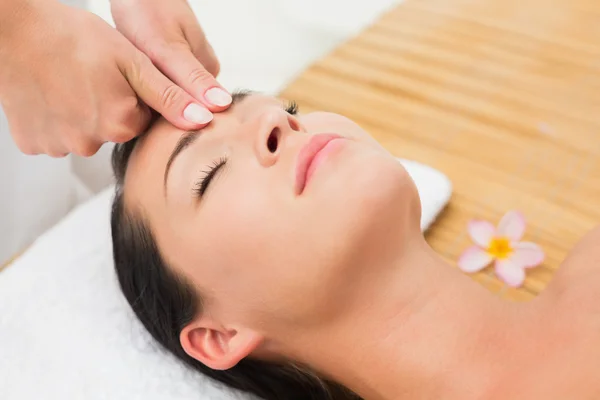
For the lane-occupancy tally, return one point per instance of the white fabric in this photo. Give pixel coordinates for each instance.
(66, 331)
(36, 193)
(327, 18)
(435, 190)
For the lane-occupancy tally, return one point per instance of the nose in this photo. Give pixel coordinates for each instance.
(275, 127)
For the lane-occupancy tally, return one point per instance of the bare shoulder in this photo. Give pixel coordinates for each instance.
(580, 271)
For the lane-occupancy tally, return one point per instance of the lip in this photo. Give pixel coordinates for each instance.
(307, 156)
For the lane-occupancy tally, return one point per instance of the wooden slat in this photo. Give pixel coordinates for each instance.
(501, 95)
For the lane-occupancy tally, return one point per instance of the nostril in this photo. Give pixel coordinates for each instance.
(294, 124)
(273, 140)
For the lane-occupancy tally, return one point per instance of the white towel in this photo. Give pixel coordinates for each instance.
(66, 332)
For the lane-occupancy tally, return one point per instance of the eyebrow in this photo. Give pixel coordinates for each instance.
(188, 138)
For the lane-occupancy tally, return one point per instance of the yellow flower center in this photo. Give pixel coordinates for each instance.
(500, 248)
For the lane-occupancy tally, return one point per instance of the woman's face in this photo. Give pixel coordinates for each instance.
(268, 232)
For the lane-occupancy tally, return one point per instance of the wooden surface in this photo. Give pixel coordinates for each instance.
(501, 95)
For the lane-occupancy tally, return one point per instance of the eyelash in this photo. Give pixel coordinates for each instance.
(202, 184)
(291, 108)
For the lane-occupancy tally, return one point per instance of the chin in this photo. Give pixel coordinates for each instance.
(369, 181)
(372, 202)
(363, 215)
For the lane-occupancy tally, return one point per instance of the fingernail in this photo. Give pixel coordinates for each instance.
(218, 97)
(197, 114)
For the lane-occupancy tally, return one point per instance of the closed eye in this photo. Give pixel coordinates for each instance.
(201, 186)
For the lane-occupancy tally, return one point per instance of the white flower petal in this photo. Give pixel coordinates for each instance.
(512, 226)
(510, 273)
(527, 255)
(474, 259)
(481, 232)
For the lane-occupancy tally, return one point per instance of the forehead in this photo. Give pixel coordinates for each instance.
(146, 166)
(164, 136)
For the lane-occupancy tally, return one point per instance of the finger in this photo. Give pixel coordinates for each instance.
(156, 90)
(56, 153)
(133, 123)
(25, 144)
(205, 54)
(212, 63)
(55, 147)
(180, 65)
(29, 150)
(201, 48)
(82, 147)
(137, 122)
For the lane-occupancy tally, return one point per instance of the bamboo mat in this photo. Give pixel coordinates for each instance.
(501, 95)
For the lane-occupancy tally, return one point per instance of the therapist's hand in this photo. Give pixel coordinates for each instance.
(168, 32)
(69, 82)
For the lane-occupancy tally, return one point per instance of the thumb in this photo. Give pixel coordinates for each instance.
(164, 96)
(182, 66)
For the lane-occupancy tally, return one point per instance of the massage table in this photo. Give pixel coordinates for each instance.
(502, 96)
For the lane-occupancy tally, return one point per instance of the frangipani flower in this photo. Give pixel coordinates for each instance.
(503, 245)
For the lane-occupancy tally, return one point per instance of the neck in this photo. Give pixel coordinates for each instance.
(420, 330)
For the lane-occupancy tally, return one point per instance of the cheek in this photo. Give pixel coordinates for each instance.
(272, 264)
(249, 246)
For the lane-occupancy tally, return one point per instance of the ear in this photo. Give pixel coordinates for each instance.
(217, 347)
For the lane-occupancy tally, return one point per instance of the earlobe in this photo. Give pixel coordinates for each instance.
(216, 347)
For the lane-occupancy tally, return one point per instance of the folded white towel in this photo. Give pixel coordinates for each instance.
(66, 332)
